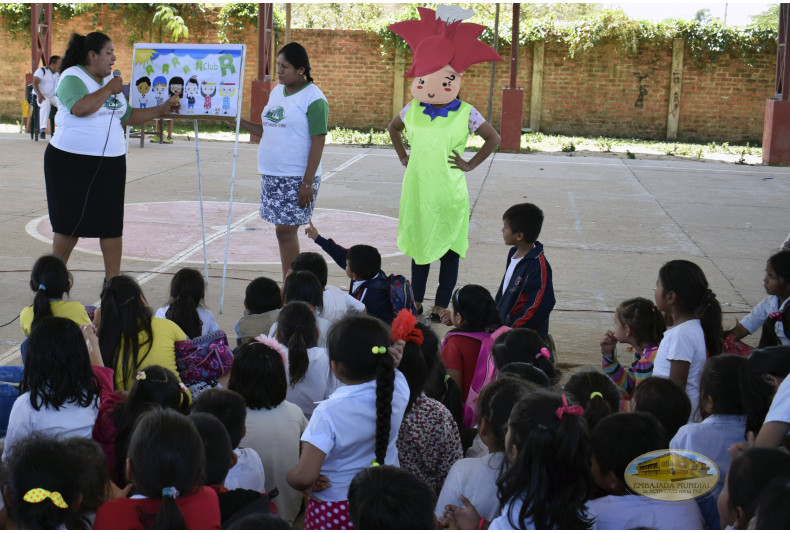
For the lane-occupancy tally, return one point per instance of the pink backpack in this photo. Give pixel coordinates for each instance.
(485, 369)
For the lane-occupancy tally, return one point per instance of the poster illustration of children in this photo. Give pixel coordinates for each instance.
(190, 91)
(160, 88)
(208, 89)
(433, 218)
(226, 90)
(176, 86)
(143, 86)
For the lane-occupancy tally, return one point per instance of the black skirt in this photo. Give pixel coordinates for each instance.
(85, 193)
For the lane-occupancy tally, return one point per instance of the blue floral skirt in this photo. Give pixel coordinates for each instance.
(280, 200)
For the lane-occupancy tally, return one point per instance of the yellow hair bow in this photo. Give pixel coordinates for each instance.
(39, 495)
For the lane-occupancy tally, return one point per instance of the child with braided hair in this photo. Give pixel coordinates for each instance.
(357, 426)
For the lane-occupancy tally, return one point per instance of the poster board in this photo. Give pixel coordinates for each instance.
(208, 78)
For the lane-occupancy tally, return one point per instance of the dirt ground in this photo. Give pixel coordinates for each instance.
(610, 224)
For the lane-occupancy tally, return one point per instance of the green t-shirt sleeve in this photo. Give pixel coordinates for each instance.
(318, 117)
(70, 90)
(128, 111)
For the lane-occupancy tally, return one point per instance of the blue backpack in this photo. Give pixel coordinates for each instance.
(401, 295)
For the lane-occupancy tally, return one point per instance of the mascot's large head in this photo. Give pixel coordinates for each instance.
(443, 47)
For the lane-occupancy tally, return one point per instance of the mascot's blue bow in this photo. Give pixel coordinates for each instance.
(434, 112)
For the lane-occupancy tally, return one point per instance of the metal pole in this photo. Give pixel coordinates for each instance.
(200, 193)
(287, 23)
(514, 47)
(493, 67)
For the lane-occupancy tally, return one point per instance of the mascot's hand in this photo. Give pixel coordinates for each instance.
(456, 161)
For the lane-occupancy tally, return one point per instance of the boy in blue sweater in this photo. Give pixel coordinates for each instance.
(526, 295)
(362, 263)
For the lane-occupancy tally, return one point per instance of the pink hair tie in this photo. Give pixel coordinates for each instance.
(776, 315)
(272, 343)
(544, 352)
(568, 409)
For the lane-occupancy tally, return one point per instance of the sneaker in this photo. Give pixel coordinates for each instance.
(43, 135)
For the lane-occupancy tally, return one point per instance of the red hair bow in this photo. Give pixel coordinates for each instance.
(776, 315)
(568, 409)
(404, 328)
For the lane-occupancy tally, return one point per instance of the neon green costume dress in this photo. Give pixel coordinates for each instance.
(434, 205)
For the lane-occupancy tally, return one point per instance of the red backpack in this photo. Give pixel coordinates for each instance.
(485, 369)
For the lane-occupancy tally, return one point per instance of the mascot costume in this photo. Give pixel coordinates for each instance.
(433, 219)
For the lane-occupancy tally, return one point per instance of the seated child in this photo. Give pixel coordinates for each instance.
(219, 456)
(303, 286)
(596, 393)
(274, 425)
(262, 302)
(362, 264)
(63, 383)
(640, 324)
(617, 440)
(336, 302)
(764, 390)
(387, 497)
(773, 312)
(474, 316)
(525, 346)
(229, 407)
(94, 481)
(475, 477)
(309, 378)
(187, 291)
(748, 475)
(165, 464)
(428, 441)
(665, 400)
(154, 386)
(50, 280)
(720, 397)
(526, 295)
(36, 463)
(772, 511)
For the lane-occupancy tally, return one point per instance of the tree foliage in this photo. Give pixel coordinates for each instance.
(768, 19)
(580, 27)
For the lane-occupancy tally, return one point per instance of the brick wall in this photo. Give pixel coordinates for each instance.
(596, 93)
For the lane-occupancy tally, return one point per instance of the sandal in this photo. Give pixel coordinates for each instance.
(436, 316)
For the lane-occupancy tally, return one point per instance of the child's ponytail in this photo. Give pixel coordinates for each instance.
(50, 279)
(768, 337)
(296, 326)
(709, 314)
(167, 460)
(596, 393)
(385, 386)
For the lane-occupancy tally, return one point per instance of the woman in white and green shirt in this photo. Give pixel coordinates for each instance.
(293, 131)
(87, 153)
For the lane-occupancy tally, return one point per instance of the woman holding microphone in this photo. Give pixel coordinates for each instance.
(85, 162)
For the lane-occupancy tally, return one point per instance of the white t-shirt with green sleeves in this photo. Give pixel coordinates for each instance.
(289, 122)
(88, 135)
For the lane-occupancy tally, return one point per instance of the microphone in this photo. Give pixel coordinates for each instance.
(117, 74)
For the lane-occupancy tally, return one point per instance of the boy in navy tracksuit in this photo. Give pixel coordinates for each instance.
(362, 263)
(526, 295)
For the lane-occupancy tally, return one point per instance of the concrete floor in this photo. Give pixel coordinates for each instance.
(610, 224)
